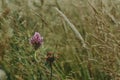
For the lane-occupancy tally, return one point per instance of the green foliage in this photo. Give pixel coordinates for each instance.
(96, 20)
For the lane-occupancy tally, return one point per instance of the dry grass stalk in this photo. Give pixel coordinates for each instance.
(72, 27)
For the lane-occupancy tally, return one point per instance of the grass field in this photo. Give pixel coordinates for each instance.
(84, 36)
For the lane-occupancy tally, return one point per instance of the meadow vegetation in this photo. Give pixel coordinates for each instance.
(83, 34)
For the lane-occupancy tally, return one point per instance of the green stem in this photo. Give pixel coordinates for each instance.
(35, 56)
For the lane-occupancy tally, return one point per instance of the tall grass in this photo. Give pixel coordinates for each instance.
(95, 22)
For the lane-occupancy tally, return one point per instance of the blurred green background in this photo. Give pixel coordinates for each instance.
(97, 21)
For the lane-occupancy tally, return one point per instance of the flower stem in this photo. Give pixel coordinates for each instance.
(51, 71)
(35, 56)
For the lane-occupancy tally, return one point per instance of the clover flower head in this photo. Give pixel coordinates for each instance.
(36, 40)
